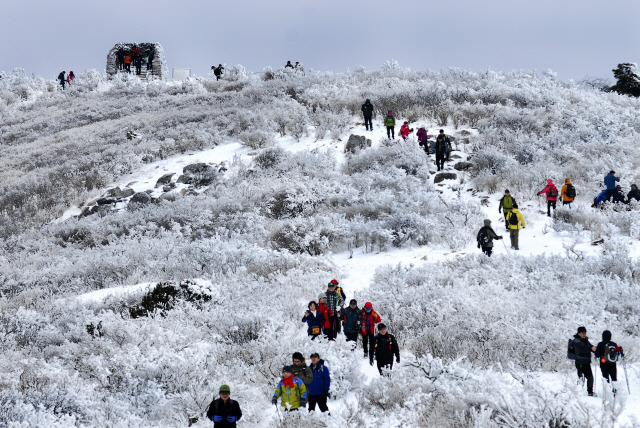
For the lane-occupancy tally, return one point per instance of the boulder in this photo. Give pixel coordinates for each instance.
(165, 179)
(462, 166)
(106, 201)
(142, 198)
(118, 193)
(356, 142)
(198, 174)
(168, 187)
(441, 176)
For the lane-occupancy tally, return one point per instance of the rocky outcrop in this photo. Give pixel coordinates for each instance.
(198, 175)
(441, 176)
(462, 166)
(356, 143)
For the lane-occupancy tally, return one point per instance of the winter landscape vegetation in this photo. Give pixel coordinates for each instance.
(160, 239)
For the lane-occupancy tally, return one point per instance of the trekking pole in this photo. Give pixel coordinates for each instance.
(505, 245)
(624, 367)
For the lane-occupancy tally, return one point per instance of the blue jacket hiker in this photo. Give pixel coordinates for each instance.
(314, 319)
(292, 391)
(319, 387)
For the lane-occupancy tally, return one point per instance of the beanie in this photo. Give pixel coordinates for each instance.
(225, 388)
(353, 302)
(298, 356)
(582, 329)
(381, 326)
(287, 369)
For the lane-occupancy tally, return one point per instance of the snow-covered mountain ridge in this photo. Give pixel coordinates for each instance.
(482, 340)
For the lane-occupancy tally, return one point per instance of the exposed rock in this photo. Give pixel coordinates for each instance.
(165, 179)
(169, 187)
(106, 201)
(464, 132)
(456, 157)
(198, 174)
(87, 211)
(356, 142)
(142, 198)
(441, 176)
(462, 166)
(118, 193)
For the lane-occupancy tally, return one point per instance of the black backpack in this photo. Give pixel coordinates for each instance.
(483, 237)
(571, 191)
(611, 354)
(513, 219)
(571, 352)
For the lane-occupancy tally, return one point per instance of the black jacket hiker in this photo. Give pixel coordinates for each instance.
(582, 351)
(385, 347)
(222, 414)
(367, 112)
(608, 368)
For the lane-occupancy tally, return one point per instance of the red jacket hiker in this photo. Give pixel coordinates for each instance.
(550, 190)
(369, 321)
(324, 309)
(404, 130)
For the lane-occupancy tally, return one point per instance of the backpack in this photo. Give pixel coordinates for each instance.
(571, 191)
(611, 354)
(513, 219)
(553, 192)
(483, 237)
(571, 352)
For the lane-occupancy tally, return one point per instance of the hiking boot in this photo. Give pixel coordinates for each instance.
(592, 394)
(517, 249)
(365, 355)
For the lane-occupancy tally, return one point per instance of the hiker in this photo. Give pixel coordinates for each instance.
(217, 71)
(335, 302)
(319, 388)
(485, 238)
(552, 196)
(314, 319)
(150, 59)
(618, 196)
(405, 131)
(368, 329)
(608, 352)
(422, 139)
(120, 59)
(292, 391)
(71, 77)
(223, 411)
(62, 79)
(610, 181)
(633, 194)
(135, 52)
(325, 311)
(600, 199)
(339, 289)
(300, 369)
(567, 193)
(441, 147)
(367, 113)
(580, 349)
(390, 123)
(288, 65)
(386, 347)
(515, 219)
(138, 62)
(127, 63)
(299, 67)
(352, 319)
(506, 204)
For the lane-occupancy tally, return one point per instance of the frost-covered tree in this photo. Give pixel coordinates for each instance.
(627, 79)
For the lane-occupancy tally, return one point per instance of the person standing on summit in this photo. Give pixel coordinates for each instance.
(390, 123)
(552, 196)
(610, 181)
(367, 113)
(441, 148)
(62, 79)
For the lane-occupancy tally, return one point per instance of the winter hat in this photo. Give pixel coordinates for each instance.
(368, 306)
(487, 222)
(582, 329)
(315, 354)
(390, 113)
(367, 101)
(322, 296)
(506, 191)
(612, 172)
(606, 336)
(286, 369)
(333, 283)
(549, 181)
(566, 181)
(225, 388)
(633, 186)
(381, 326)
(298, 356)
(406, 123)
(353, 302)
(618, 187)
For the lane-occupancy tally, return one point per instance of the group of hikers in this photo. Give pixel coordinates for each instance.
(441, 146)
(65, 78)
(328, 317)
(125, 58)
(606, 352)
(297, 66)
(514, 220)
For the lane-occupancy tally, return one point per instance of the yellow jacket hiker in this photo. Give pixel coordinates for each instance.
(514, 220)
(291, 389)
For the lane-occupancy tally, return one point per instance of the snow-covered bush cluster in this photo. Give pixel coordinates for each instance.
(253, 247)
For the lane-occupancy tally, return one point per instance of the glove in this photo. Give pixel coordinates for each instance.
(499, 211)
(478, 245)
(398, 360)
(274, 400)
(231, 419)
(328, 394)
(500, 237)
(303, 402)
(371, 362)
(217, 418)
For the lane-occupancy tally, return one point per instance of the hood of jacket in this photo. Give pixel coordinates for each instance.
(606, 336)
(567, 181)
(487, 222)
(549, 182)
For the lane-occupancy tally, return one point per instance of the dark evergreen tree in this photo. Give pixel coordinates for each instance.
(628, 81)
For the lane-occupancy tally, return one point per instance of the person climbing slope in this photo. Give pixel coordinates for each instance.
(390, 123)
(485, 238)
(567, 193)
(552, 195)
(515, 220)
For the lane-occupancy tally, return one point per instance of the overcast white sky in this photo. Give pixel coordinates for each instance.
(575, 38)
